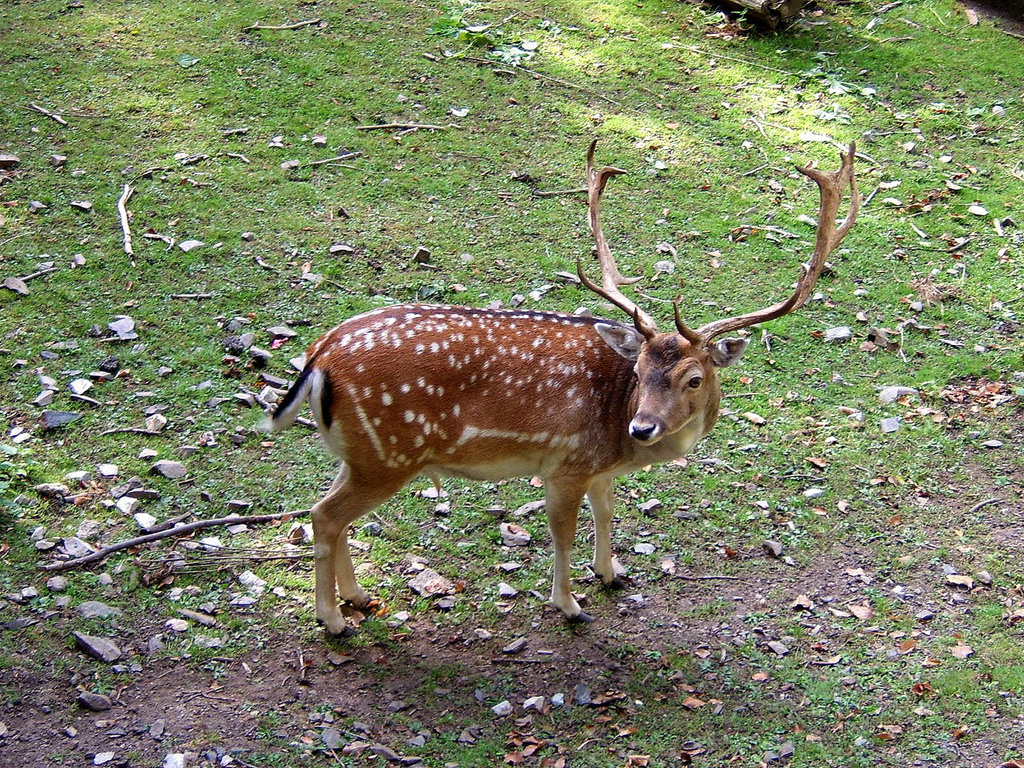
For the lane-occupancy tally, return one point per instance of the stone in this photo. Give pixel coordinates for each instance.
(102, 758)
(650, 506)
(98, 647)
(174, 760)
(892, 394)
(331, 738)
(80, 386)
(52, 490)
(840, 333)
(57, 584)
(172, 470)
(124, 327)
(513, 535)
(430, 583)
(58, 419)
(94, 702)
(144, 520)
(773, 548)
(93, 609)
(506, 590)
(535, 703)
(127, 504)
(75, 547)
(503, 709)
(516, 645)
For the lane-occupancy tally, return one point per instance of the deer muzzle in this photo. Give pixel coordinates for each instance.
(645, 430)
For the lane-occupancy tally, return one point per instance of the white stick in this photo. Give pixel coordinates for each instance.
(122, 211)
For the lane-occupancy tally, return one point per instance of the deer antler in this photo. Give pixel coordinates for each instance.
(611, 278)
(831, 186)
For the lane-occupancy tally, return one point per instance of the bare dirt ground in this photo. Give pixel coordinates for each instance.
(286, 696)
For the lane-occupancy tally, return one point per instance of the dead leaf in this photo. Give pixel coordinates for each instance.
(692, 702)
(907, 646)
(922, 689)
(862, 612)
(802, 603)
(961, 651)
(754, 418)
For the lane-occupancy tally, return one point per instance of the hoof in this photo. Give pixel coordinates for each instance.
(339, 628)
(580, 618)
(616, 583)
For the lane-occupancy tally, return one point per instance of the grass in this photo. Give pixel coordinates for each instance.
(709, 119)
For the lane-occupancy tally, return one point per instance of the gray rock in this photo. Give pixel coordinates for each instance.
(773, 548)
(172, 470)
(260, 357)
(332, 738)
(503, 709)
(93, 609)
(94, 702)
(52, 490)
(58, 419)
(57, 584)
(158, 729)
(99, 647)
(75, 547)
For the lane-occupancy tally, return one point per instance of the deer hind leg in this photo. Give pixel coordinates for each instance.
(601, 495)
(348, 499)
(563, 499)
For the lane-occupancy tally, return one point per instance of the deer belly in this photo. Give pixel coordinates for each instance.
(493, 454)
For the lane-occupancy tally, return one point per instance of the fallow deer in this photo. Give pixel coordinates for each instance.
(431, 390)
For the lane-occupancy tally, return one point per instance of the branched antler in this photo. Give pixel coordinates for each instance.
(611, 278)
(831, 186)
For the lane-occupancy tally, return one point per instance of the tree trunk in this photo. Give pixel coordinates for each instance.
(769, 13)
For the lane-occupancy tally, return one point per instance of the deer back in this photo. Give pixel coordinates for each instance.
(429, 389)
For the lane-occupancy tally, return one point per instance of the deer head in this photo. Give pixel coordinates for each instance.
(677, 371)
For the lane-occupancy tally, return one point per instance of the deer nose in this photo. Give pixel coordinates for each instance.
(642, 431)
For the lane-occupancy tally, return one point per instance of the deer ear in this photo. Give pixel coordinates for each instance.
(623, 339)
(728, 351)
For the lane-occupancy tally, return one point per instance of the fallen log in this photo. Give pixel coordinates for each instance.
(767, 13)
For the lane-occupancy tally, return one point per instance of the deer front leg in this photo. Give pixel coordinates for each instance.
(563, 499)
(602, 504)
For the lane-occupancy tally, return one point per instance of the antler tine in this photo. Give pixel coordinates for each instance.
(831, 185)
(611, 278)
(685, 331)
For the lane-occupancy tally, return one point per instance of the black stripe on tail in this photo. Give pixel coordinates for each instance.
(296, 389)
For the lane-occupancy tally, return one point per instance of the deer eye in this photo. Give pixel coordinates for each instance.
(695, 382)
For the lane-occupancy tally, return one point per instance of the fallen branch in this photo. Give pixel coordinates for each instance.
(278, 27)
(122, 212)
(401, 126)
(191, 295)
(40, 273)
(52, 115)
(982, 504)
(339, 158)
(708, 578)
(181, 530)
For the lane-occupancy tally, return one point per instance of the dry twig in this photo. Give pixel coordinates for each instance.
(278, 27)
(100, 554)
(401, 126)
(52, 115)
(122, 212)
